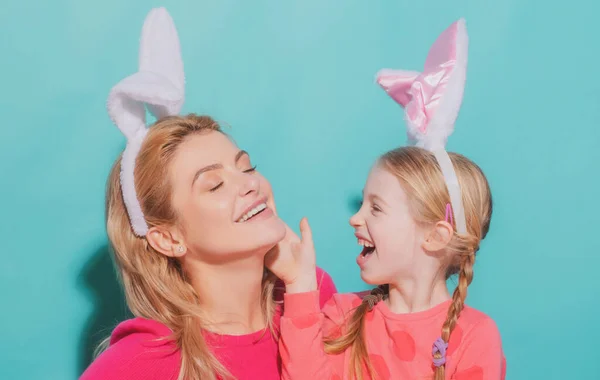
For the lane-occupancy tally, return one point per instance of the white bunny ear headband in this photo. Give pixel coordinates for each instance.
(159, 86)
(431, 100)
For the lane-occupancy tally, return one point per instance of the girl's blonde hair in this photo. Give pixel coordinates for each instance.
(156, 286)
(421, 178)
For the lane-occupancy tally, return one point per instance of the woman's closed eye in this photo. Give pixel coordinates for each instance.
(220, 184)
(251, 170)
(217, 187)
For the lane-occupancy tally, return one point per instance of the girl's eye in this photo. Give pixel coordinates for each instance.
(375, 208)
(216, 187)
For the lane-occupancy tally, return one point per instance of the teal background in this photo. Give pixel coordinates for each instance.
(294, 79)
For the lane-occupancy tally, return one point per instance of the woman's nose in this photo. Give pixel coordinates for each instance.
(250, 184)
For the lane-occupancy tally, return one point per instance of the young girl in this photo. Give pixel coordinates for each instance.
(424, 214)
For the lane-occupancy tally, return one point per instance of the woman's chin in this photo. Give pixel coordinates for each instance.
(272, 234)
(267, 236)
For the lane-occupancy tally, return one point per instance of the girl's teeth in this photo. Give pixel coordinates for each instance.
(365, 243)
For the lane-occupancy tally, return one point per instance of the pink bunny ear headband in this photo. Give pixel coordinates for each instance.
(159, 86)
(431, 100)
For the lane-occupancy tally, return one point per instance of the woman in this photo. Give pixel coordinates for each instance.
(191, 222)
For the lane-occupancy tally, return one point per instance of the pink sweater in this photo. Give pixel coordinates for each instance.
(399, 345)
(135, 353)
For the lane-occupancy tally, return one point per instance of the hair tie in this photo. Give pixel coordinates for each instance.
(439, 347)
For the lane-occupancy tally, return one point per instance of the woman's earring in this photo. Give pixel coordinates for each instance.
(180, 249)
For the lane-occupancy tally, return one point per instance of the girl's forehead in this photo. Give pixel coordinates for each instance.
(383, 184)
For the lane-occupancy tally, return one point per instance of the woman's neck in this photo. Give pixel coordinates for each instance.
(418, 293)
(230, 294)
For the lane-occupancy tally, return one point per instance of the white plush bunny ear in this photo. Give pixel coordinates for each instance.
(160, 53)
(159, 85)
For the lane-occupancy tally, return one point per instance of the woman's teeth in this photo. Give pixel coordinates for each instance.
(252, 212)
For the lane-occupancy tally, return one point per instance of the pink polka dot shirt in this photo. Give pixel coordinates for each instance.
(399, 345)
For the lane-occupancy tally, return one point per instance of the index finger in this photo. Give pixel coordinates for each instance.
(305, 231)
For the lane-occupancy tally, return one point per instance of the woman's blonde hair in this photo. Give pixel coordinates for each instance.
(156, 286)
(421, 178)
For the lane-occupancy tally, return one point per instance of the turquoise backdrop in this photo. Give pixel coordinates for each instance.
(295, 80)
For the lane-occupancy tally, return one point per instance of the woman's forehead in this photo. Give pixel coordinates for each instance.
(211, 146)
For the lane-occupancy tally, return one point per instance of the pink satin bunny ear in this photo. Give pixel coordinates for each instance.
(159, 86)
(432, 98)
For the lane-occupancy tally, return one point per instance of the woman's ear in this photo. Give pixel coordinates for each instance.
(166, 242)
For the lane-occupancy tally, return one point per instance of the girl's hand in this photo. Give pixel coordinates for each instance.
(293, 260)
